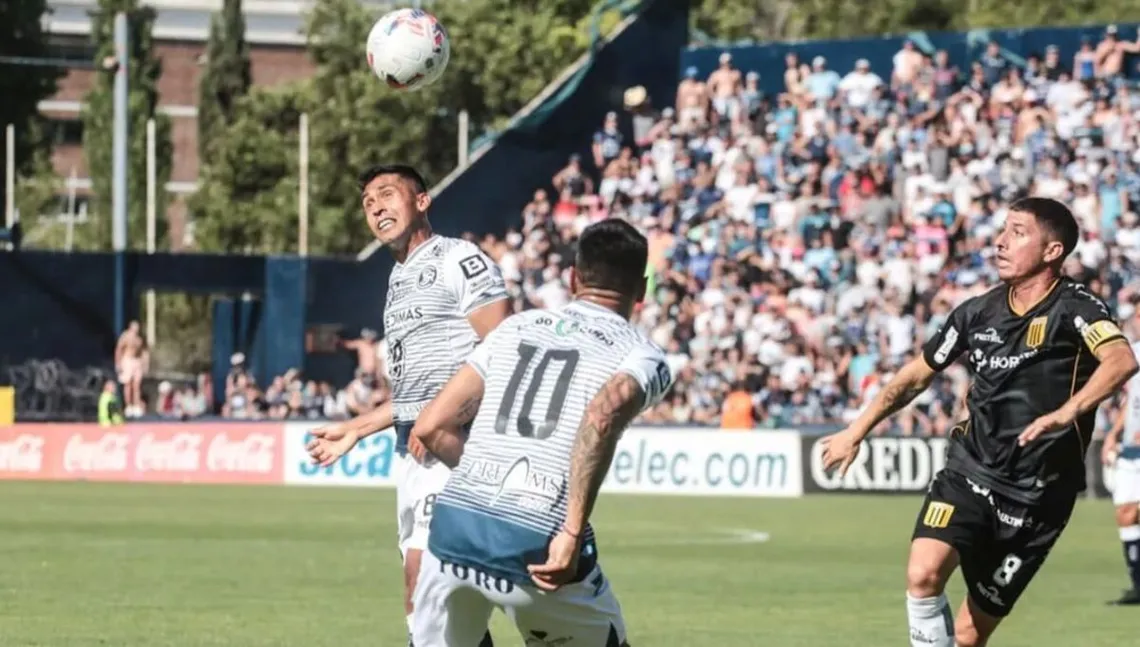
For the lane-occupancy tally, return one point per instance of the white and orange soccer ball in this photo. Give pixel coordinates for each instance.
(408, 49)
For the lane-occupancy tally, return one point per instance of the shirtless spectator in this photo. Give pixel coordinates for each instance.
(793, 77)
(692, 101)
(1110, 53)
(131, 359)
(237, 371)
(907, 64)
(365, 349)
(724, 86)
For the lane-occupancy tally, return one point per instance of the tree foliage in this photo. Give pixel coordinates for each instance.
(504, 52)
(23, 85)
(143, 72)
(226, 77)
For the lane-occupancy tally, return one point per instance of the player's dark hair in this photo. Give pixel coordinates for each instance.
(612, 255)
(1054, 217)
(405, 171)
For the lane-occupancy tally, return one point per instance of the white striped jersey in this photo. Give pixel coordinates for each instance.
(426, 331)
(541, 368)
(1130, 436)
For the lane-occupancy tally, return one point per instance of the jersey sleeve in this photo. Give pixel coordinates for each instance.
(480, 357)
(1088, 317)
(647, 365)
(951, 340)
(473, 278)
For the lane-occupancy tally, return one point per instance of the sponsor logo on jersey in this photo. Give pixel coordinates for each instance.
(1010, 520)
(937, 515)
(403, 316)
(949, 338)
(1035, 334)
(999, 362)
(473, 266)
(990, 335)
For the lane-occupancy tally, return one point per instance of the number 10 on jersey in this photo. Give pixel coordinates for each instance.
(543, 378)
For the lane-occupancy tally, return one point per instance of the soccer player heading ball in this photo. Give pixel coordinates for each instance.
(444, 295)
(1043, 353)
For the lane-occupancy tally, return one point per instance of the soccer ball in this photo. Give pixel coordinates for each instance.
(408, 49)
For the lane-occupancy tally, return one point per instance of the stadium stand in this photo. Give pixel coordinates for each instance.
(804, 244)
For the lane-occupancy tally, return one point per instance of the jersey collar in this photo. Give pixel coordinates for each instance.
(1032, 306)
(422, 246)
(594, 308)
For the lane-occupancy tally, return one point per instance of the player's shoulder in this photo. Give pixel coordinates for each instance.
(1071, 291)
(465, 257)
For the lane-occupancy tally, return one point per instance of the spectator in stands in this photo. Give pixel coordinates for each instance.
(132, 359)
(365, 348)
(110, 408)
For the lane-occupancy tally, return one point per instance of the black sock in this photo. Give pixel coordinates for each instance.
(1130, 538)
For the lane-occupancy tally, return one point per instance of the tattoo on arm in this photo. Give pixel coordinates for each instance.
(896, 396)
(607, 415)
(468, 410)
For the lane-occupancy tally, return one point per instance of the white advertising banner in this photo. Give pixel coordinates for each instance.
(648, 460)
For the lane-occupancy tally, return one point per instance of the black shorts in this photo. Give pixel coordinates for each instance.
(1001, 543)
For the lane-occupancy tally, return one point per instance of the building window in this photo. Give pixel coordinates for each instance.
(77, 51)
(63, 131)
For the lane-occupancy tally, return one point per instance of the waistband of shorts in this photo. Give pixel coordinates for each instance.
(408, 411)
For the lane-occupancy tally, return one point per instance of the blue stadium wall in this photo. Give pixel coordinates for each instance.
(962, 47)
(489, 196)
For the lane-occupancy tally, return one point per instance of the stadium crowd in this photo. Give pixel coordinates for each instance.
(804, 245)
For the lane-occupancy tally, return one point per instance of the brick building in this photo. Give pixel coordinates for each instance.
(277, 55)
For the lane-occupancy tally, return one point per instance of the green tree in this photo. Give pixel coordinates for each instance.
(247, 196)
(23, 82)
(143, 72)
(226, 77)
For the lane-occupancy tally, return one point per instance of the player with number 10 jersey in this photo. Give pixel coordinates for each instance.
(554, 389)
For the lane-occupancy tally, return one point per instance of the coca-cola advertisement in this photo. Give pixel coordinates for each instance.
(157, 453)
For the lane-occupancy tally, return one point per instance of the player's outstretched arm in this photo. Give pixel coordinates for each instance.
(911, 380)
(1117, 366)
(439, 427)
(331, 442)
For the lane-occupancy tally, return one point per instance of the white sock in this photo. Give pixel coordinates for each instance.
(931, 621)
(409, 618)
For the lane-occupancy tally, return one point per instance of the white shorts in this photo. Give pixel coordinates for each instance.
(1126, 488)
(415, 498)
(454, 603)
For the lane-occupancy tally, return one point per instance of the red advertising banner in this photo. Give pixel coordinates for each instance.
(154, 453)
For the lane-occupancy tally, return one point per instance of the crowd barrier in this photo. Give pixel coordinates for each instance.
(648, 460)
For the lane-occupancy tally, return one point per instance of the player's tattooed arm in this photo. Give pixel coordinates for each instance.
(911, 380)
(607, 415)
(440, 425)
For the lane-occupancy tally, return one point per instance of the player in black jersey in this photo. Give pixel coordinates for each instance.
(1043, 353)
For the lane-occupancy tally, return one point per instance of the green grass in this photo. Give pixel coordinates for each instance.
(140, 565)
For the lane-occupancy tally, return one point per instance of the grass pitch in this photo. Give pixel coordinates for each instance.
(85, 565)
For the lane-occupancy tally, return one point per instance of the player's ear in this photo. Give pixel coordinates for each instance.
(423, 200)
(1054, 251)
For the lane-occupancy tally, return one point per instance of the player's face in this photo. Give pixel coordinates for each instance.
(1023, 247)
(393, 208)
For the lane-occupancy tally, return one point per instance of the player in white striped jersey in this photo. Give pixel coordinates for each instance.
(1122, 450)
(444, 295)
(557, 388)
